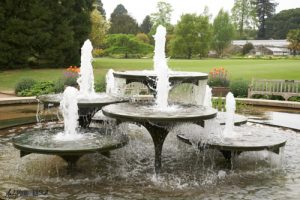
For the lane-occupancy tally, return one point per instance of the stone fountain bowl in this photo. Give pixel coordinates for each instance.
(248, 138)
(99, 100)
(148, 112)
(42, 141)
(87, 107)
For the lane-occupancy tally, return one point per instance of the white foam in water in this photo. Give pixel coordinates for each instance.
(110, 82)
(161, 69)
(86, 75)
(69, 109)
(207, 99)
(229, 121)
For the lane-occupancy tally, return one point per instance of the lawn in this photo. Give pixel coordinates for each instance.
(237, 68)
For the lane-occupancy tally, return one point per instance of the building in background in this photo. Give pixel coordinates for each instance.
(265, 47)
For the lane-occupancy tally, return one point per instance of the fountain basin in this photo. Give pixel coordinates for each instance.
(87, 107)
(174, 76)
(238, 119)
(149, 78)
(94, 140)
(147, 112)
(249, 139)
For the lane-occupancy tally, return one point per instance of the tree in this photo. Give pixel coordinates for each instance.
(122, 22)
(279, 25)
(192, 36)
(126, 44)
(265, 9)
(162, 16)
(43, 33)
(223, 32)
(294, 38)
(99, 29)
(146, 25)
(247, 48)
(243, 15)
(99, 6)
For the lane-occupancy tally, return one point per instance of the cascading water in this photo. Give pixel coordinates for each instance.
(212, 128)
(110, 82)
(69, 109)
(161, 69)
(229, 121)
(86, 75)
(208, 95)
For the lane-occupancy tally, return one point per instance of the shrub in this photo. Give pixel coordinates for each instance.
(218, 77)
(24, 84)
(98, 53)
(247, 48)
(126, 45)
(143, 38)
(40, 88)
(294, 99)
(239, 88)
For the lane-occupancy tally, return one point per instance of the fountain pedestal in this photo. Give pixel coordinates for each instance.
(257, 140)
(157, 122)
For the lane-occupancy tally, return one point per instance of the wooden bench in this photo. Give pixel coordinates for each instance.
(284, 88)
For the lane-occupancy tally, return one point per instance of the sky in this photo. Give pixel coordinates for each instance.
(140, 8)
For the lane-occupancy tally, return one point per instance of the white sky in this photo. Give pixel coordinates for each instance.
(140, 8)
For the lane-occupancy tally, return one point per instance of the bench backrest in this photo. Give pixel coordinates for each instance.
(275, 86)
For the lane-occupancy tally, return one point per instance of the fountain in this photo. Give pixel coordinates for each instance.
(159, 117)
(236, 140)
(189, 172)
(69, 143)
(77, 107)
(89, 102)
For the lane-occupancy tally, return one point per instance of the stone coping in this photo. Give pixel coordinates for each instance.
(256, 102)
(266, 102)
(17, 100)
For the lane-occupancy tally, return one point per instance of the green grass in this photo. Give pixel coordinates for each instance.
(237, 68)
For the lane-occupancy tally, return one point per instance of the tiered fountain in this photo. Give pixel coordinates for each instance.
(77, 108)
(159, 117)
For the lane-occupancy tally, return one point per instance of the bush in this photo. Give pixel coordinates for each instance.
(247, 48)
(98, 53)
(143, 38)
(24, 84)
(294, 99)
(126, 45)
(40, 88)
(239, 88)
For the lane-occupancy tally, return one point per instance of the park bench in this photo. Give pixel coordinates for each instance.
(284, 88)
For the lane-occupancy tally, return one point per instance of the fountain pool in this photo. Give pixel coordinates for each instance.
(189, 172)
(128, 173)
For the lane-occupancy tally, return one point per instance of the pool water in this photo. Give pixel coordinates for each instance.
(128, 172)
